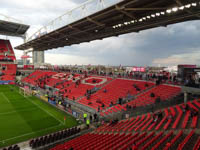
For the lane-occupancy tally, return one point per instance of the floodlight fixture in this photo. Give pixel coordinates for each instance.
(168, 11)
(162, 13)
(194, 4)
(174, 9)
(148, 17)
(188, 5)
(181, 8)
(144, 18)
(157, 14)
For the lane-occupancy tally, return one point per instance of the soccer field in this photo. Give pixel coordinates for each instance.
(22, 118)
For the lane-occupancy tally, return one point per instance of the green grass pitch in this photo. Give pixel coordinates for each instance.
(23, 118)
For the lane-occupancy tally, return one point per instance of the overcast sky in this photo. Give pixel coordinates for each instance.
(176, 44)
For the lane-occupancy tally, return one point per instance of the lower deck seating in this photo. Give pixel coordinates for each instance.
(74, 91)
(51, 138)
(38, 77)
(7, 67)
(8, 72)
(169, 118)
(6, 51)
(162, 130)
(14, 147)
(137, 141)
(162, 92)
(110, 93)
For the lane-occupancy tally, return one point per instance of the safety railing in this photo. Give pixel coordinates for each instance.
(9, 19)
(85, 9)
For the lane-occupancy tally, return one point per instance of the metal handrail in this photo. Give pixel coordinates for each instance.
(8, 18)
(85, 9)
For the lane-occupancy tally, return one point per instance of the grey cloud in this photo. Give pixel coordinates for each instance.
(141, 48)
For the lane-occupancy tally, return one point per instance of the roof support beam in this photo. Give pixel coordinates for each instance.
(131, 2)
(64, 42)
(77, 29)
(18, 29)
(49, 46)
(45, 44)
(38, 45)
(124, 12)
(71, 37)
(138, 9)
(48, 43)
(95, 22)
(178, 2)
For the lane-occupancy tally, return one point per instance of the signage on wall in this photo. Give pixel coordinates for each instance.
(138, 69)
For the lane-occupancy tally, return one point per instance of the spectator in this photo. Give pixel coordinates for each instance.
(111, 104)
(138, 89)
(90, 118)
(85, 117)
(152, 94)
(102, 105)
(88, 97)
(160, 115)
(196, 113)
(158, 81)
(95, 117)
(120, 101)
(157, 100)
(186, 108)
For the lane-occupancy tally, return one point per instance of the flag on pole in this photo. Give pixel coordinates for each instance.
(64, 119)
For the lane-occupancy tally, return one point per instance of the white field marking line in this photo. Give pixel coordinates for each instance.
(20, 110)
(30, 133)
(5, 97)
(43, 109)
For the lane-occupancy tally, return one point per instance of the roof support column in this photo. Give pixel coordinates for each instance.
(185, 97)
(38, 58)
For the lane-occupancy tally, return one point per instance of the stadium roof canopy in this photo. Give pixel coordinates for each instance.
(12, 27)
(123, 16)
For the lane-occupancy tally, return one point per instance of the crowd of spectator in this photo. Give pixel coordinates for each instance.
(192, 80)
